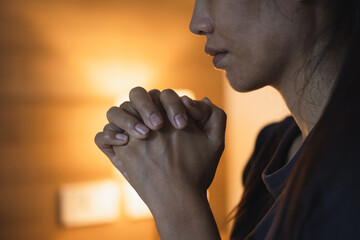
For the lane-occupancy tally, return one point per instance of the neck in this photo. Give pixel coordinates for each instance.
(307, 99)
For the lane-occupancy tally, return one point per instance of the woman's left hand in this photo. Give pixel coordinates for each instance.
(172, 169)
(173, 159)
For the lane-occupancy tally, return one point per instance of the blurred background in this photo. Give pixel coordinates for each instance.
(63, 64)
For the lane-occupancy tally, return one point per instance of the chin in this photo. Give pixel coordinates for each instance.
(243, 84)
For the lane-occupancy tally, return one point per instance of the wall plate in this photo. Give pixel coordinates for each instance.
(89, 203)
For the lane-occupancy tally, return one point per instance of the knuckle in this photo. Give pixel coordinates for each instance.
(145, 109)
(125, 105)
(114, 128)
(169, 97)
(129, 124)
(155, 95)
(221, 113)
(111, 112)
(107, 137)
(98, 137)
(108, 127)
(168, 92)
(154, 91)
(135, 91)
(133, 107)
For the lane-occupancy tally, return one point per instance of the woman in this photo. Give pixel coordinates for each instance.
(301, 181)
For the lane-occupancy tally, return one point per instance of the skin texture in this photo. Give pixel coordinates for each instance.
(260, 37)
(168, 147)
(172, 169)
(175, 167)
(268, 43)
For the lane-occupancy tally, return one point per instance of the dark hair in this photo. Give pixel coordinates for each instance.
(331, 154)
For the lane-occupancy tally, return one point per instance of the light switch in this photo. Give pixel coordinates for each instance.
(90, 203)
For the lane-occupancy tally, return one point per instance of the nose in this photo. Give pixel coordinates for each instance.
(201, 22)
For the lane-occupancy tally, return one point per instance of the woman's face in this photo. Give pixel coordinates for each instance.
(257, 42)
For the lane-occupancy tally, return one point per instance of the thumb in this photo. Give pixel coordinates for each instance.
(200, 111)
(215, 125)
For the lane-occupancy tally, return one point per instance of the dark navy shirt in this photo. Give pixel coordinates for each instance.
(333, 210)
(276, 173)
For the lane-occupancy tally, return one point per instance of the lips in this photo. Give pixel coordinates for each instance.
(218, 54)
(218, 58)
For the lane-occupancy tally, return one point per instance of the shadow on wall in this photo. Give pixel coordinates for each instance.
(21, 47)
(27, 202)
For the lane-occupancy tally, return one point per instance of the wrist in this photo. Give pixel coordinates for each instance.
(183, 204)
(187, 217)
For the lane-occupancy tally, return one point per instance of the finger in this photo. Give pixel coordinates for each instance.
(127, 107)
(149, 112)
(200, 111)
(155, 96)
(215, 125)
(174, 108)
(113, 127)
(127, 122)
(107, 139)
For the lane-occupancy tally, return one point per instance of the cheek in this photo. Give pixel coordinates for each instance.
(260, 52)
(258, 63)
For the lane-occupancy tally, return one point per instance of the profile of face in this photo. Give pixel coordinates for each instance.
(257, 42)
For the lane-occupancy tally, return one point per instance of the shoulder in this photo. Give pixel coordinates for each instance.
(323, 197)
(335, 193)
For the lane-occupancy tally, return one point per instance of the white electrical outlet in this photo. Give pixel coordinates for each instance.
(83, 204)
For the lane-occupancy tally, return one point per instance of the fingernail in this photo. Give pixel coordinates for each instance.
(141, 129)
(121, 137)
(180, 120)
(156, 120)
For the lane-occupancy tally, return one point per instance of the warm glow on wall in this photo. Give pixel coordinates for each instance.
(186, 92)
(114, 77)
(248, 114)
(63, 64)
(135, 208)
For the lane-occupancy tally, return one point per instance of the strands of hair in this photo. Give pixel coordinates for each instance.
(330, 153)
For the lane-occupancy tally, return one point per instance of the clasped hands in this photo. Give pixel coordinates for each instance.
(167, 147)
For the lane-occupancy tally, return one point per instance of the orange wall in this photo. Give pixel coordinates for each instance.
(62, 65)
(247, 114)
